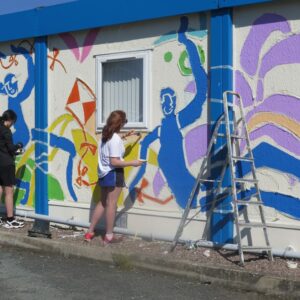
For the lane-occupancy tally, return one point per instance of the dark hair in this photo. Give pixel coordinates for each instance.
(8, 115)
(114, 123)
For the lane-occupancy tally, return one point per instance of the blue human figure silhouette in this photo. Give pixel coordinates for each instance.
(16, 97)
(63, 144)
(171, 154)
(10, 88)
(22, 134)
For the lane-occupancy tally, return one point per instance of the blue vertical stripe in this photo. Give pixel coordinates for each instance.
(221, 79)
(41, 124)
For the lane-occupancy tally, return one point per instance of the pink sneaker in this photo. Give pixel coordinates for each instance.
(114, 240)
(89, 236)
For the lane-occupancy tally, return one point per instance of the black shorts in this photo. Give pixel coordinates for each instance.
(113, 178)
(7, 175)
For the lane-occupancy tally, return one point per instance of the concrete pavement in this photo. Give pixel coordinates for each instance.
(35, 275)
(208, 273)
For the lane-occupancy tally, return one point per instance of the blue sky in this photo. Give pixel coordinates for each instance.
(11, 6)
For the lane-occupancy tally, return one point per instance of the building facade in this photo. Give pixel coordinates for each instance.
(167, 66)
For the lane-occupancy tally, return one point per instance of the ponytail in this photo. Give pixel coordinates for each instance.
(116, 120)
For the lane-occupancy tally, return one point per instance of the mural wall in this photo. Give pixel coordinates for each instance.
(267, 64)
(174, 143)
(17, 93)
(267, 68)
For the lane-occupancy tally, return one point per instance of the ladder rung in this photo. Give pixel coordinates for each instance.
(239, 137)
(263, 248)
(248, 197)
(233, 136)
(209, 180)
(242, 158)
(252, 224)
(243, 180)
(243, 202)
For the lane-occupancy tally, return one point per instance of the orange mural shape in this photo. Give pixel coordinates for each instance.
(11, 61)
(81, 102)
(141, 195)
(29, 46)
(267, 117)
(56, 60)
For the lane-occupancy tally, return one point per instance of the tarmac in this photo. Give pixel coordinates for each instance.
(68, 244)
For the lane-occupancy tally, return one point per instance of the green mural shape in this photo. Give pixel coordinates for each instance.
(55, 191)
(24, 173)
(19, 194)
(168, 56)
(30, 163)
(186, 71)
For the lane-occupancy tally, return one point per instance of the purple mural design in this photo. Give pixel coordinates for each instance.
(280, 106)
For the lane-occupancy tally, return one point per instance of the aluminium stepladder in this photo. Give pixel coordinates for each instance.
(232, 136)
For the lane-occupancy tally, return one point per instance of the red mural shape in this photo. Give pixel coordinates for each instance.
(81, 102)
(56, 60)
(142, 195)
(11, 61)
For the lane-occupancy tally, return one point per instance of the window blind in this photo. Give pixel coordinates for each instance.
(122, 88)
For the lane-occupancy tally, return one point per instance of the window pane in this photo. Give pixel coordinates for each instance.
(122, 88)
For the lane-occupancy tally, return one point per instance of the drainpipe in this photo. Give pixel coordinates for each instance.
(221, 80)
(288, 252)
(41, 228)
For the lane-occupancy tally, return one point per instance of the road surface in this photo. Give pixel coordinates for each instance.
(28, 275)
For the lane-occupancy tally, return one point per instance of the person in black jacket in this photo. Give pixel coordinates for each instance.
(7, 166)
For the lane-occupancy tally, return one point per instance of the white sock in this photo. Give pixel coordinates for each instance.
(109, 236)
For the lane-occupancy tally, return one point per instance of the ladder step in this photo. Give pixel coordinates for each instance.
(242, 158)
(248, 197)
(238, 137)
(208, 180)
(242, 202)
(252, 224)
(233, 136)
(243, 180)
(262, 248)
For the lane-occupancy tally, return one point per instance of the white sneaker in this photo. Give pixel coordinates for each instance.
(13, 224)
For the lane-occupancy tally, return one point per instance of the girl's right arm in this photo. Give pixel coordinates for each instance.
(9, 142)
(118, 163)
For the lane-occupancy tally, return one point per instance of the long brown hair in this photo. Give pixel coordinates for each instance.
(114, 124)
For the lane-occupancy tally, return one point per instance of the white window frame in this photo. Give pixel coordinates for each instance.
(114, 57)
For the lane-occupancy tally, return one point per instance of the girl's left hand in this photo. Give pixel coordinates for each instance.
(130, 133)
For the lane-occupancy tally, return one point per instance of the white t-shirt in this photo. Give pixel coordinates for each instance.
(112, 148)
